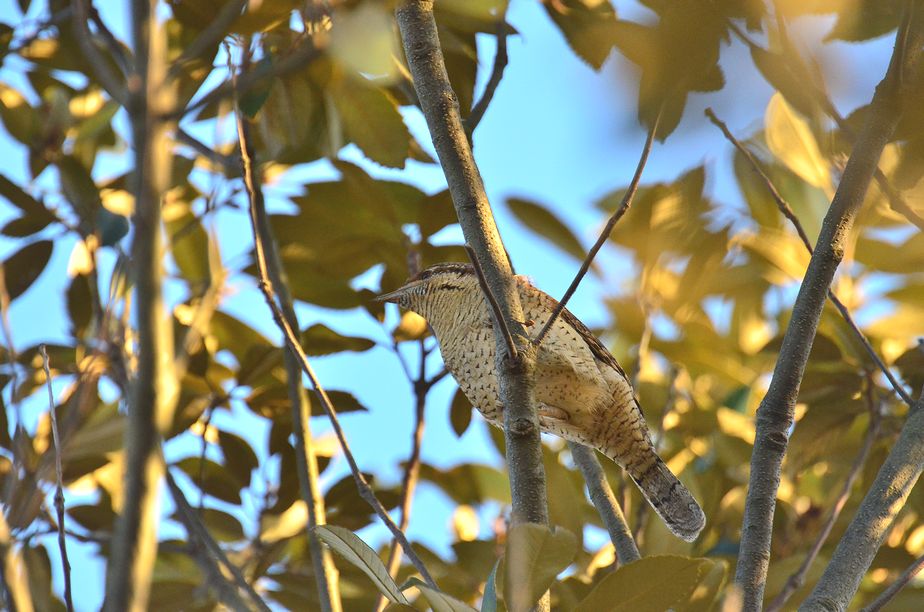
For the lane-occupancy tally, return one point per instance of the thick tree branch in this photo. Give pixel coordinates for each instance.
(59, 484)
(440, 108)
(775, 413)
(605, 502)
(154, 389)
(605, 234)
(790, 214)
(257, 209)
(873, 519)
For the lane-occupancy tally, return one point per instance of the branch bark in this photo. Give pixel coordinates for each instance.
(154, 390)
(257, 208)
(325, 573)
(775, 413)
(605, 502)
(874, 518)
(441, 110)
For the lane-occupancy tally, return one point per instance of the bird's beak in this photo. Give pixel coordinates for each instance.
(390, 297)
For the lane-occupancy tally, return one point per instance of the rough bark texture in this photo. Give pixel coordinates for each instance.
(775, 413)
(874, 518)
(441, 110)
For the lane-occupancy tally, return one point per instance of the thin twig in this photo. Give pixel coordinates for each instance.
(412, 468)
(291, 338)
(59, 485)
(110, 82)
(605, 234)
(497, 72)
(788, 212)
(512, 352)
(231, 164)
(797, 579)
(605, 502)
(198, 532)
(325, 572)
(901, 582)
(115, 48)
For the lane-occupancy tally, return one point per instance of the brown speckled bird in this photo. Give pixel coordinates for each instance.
(583, 395)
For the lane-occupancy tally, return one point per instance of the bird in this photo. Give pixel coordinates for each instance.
(582, 393)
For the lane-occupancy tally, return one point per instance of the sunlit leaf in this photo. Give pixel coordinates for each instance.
(320, 340)
(651, 583)
(588, 26)
(791, 140)
(439, 601)
(357, 552)
(363, 39)
(535, 555)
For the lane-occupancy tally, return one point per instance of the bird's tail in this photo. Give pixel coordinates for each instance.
(670, 499)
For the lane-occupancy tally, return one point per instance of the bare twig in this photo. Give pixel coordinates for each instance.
(59, 485)
(497, 72)
(291, 338)
(605, 234)
(788, 212)
(113, 85)
(215, 555)
(115, 48)
(775, 413)
(797, 579)
(512, 353)
(901, 582)
(603, 499)
(231, 164)
(412, 468)
(325, 572)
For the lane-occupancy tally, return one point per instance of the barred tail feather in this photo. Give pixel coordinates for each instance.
(671, 500)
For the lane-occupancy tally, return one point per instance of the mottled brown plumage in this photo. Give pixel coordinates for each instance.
(583, 394)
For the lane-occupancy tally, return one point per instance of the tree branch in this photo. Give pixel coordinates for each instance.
(113, 85)
(59, 484)
(790, 214)
(869, 527)
(154, 390)
(512, 353)
(214, 556)
(257, 209)
(497, 73)
(797, 579)
(605, 234)
(440, 108)
(901, 582)
(325, 573)
(605, 502)
(775, 413)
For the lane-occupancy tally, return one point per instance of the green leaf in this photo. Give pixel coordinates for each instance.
(489, 600)
(23, 267)
(651, 583)
(439, 601)
(35, 217)
(189, 243)
(542, 221)
(535, 555)
(321, 340)
(239, 456)
(460, 413)
(78, 187)
(223, 526)
(213, 479)
(589, 28)
(110, 226)
(357, 552)
(371, 119)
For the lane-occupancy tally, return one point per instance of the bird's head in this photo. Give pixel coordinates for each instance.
(433, 286)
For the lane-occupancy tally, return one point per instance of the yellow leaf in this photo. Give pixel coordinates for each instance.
(791, 140)
(465, 523)
(363, 40)
(81, 261)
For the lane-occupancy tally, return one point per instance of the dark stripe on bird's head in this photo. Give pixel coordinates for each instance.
(460, 269)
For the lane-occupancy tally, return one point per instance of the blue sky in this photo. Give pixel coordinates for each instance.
(557, 132)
